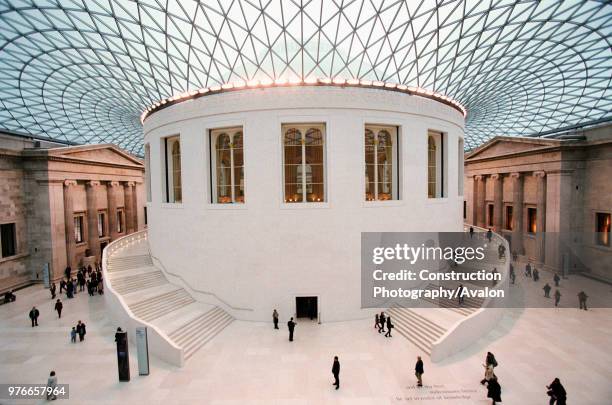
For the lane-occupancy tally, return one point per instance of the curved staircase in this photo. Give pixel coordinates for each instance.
(150, 299)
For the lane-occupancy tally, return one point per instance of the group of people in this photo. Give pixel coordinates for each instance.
(80, 330)
(85, 277)
(9, 296)
(382, 320)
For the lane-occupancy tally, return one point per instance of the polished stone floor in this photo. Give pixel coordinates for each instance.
(250, 363)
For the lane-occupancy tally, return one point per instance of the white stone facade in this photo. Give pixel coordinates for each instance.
(260, 255)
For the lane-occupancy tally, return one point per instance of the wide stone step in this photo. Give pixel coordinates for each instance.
(418, 330)
(213, 330)
(139, 282)
(159, 305)
(189, 332)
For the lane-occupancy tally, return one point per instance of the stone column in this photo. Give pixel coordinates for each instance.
(112, 188)
(517, 213)
(541, 216)
(135, 207)
(479, 184)
(93, 240)
(69, 224)
(128, 190)
(498, 202)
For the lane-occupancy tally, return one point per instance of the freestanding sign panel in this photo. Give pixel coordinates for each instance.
(142, 345)
(123, 357)
(46, 275)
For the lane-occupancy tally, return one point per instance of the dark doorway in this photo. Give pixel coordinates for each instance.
(306, 307)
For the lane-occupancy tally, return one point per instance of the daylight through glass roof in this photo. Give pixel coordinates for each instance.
(84, 71)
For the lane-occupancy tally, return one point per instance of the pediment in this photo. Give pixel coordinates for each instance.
(502, 146)
(108, 154)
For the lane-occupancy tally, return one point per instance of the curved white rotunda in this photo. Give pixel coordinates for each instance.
(259, 193)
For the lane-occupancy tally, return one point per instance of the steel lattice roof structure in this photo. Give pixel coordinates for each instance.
(84, 70)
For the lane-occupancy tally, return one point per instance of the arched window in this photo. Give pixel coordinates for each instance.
(436, 164)
(381, 175)
(432, 167)
(304, 163)
(172, 170)
(228, 165)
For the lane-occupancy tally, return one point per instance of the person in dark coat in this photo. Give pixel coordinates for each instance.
(69, 289)
(489, 235)
(471, 232)
(291, 326)
(52, 290)
(275, 318)
(512, 274)
(68, 272)
(376, 321)
(460, 296)
(528, 270)
(81, 280)
(536, 275)
(419, 371)
(9, 297)
(556, 392)
(90, 290)
(336, 372)
(582, 298)
(62, 285)
(58, 307)
(80, 328)
(34, 314)
(381, 319)
(557, 297)
(556, 279)
(389, 327)
(546, 289)
(494, 390)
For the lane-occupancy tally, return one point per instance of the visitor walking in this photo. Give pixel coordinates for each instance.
(381, 319)
(582, 300)
(419, 371)
(546, 289)
(81, 280)
(275, 318)
(62, 285)
(556, 279)
(34, 313)
(336, 372)
(58, 307)
(291, 326)
(471, 232)
(51, 386)
(528, 270)
(489, 235)
(80, 328)
(52, 289)
(536, 275)
(512, 274)
(557, 297)
(460, 296)
(73, 334)
(556, 392)
(389, 327)
(69, 289)
(494, 390)
(490, 364)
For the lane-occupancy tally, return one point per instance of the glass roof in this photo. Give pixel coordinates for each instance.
(84, 70)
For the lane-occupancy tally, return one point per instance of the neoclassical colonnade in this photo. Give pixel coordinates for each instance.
(519, 208)
(94, 198)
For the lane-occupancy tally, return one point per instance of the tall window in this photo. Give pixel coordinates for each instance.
(8, 240)
(227, 165)
(172, 170)
(490, 214)
(509, 217)
(435, 165)
(602, 228)
(120, 221)
(147, 149)
(101, 224)
(460, 167)
(381, 175)
(304, 162)
(78, 229)
(532, 219)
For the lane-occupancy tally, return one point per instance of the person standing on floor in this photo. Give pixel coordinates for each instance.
(557, 297)
(536, 275)
(381, 319)
(419, 371)
(34, 313)
(556, 392)
(494, 390)
(52, 289)
(81, 280)
(51, 386)
(291, 326)
(58, 307)
(528, 270)
(336, 372)
(460, 296)
(582, 298)
(490, 364)
(376, 321)
(73, 334)
(62, 285)
(80, 328)
(471, 232)
(489, 235)
(512, 274)
(389, 327)
(68, 272)
(546, 289)
(275, 318)
(556, 279)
